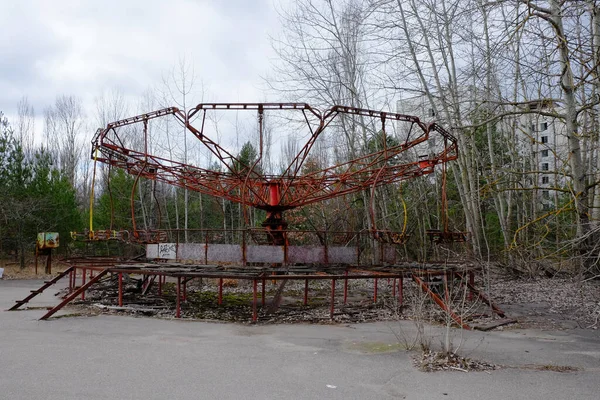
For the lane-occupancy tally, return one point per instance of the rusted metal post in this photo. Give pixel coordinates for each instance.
(206, 247)
(71, 280)
(254, 310)
(306, 292)
(446, 292)
(285, 248)
(472, 283)
(425, 287)
(178, 310)
(375, 290)
(244, 252)
(91, 273)
(346, 288)
(326, 247)
(263, 291)
(120, 289)
(83, 283)
(400, 289)
(49, 262)
(394, 288)
(332, 298)
(220, 296)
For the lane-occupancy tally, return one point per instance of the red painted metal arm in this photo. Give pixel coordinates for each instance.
(101, 133)
(440, 302)
(247, 186)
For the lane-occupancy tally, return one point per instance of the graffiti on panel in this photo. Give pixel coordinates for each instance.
(167, 250)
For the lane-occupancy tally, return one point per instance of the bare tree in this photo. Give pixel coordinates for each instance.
(64, 122)
(324, 58)
(425, 52)
(562, 24)
(25, 125)
(179, 86)
(109, 106)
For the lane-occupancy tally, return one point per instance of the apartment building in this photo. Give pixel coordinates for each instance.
(541, 141)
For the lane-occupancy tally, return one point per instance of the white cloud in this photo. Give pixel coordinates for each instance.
(83, 48)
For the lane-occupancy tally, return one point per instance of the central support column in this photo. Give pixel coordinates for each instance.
(274, 223)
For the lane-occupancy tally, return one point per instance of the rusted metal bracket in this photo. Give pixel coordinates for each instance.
(74, 294)
(148, 284)
(45, 286)
(487, 301)
(440, 302)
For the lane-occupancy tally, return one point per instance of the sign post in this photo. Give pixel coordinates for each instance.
(46, 241)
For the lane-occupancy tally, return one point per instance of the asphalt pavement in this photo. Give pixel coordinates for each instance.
(122, 357)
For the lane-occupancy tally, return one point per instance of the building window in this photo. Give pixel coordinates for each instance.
(544, 139)
(543, 126)
(544, 153)
(545, 166)
(545, 194)
(545, 179)
(532, 128)
(431, 112)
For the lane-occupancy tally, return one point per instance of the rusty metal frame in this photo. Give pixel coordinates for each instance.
(184, 273)
(79, 291)
(276, 193)
(418, 272)
(45, 286)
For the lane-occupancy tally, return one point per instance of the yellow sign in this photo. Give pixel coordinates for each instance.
(47, 240)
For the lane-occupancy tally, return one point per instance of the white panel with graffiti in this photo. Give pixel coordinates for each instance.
(167, 251)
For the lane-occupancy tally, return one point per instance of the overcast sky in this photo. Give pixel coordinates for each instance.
(82, 48)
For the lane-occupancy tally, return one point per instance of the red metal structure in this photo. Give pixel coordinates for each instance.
(247, 185)
(412, 153)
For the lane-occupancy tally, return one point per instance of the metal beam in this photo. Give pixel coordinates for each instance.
(74, 294)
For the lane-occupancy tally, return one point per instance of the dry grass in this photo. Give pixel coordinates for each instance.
(12, 269)
(431, 361)
(546, 367)
(553, 299)
(230, 282)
